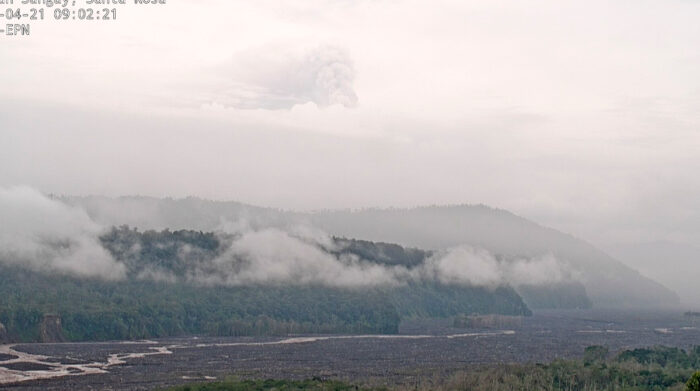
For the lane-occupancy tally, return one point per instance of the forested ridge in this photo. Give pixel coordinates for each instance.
(606, 281)
(99, 310)
(138, 307)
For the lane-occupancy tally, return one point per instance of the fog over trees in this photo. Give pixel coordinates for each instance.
(559, 256)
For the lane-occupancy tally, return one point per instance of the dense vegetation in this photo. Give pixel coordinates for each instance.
(174, 252)
(383, 253)
(608, 282)
(432, 300)
(141, 307)
(99, 310)
(652, 369)
(663, 357)
(277, 385)
(562, 295)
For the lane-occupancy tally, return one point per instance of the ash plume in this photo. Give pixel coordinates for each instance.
(271, 78)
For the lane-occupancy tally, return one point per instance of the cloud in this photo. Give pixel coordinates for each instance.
(465, 265)
(473, 266)
(305, 255)
(273, 77)
(157, 275)
(273, 256)
(540, 270)
(46, 235)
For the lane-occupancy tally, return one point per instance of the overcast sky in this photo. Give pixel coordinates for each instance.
(582, 115)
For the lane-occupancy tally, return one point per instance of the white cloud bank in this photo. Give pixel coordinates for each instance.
(274, 256)
(305, 256)
(46, 235)
(467, 265)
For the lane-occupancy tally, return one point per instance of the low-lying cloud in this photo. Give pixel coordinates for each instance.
(307, 256)
(47, 235)
(274, 256)
(467, 265)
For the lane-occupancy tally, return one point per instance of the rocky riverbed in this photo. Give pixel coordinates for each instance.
(423, 349)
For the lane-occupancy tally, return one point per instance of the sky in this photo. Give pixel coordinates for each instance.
(581, 115)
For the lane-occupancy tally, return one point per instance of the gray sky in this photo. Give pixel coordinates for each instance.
(582, 115)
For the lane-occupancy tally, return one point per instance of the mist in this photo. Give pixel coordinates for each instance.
(353, 192)
(278, 257)
(474, 266)
(48, 235)
(470, 244)
(577, 116)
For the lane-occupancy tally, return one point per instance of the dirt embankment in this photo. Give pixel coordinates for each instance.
(50, 329)
(4, 338)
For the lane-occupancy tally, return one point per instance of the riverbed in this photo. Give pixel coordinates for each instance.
(423, 348)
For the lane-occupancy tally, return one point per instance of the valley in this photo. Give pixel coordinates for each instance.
(423, 350)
